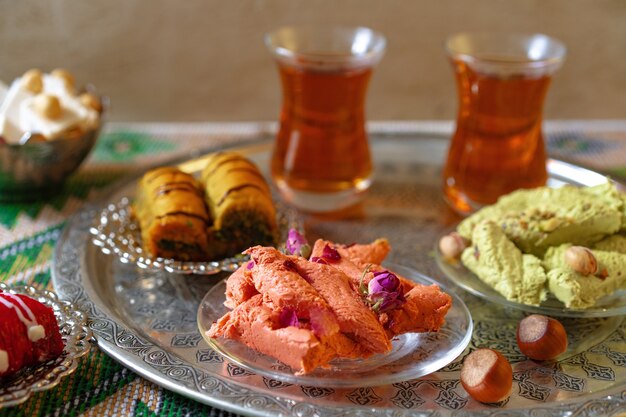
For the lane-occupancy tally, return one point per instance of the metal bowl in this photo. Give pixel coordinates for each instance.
(37, 169)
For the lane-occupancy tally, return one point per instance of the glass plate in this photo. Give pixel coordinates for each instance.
(413, 354)
(608, 306)
(116, 232)
(76, 336)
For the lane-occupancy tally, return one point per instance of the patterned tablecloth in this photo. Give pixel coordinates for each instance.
(28, 233)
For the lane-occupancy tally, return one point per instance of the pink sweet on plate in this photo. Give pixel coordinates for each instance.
(339, 304)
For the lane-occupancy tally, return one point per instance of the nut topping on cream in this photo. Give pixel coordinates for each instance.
(46, 105)
(32, 81)
(66, 76)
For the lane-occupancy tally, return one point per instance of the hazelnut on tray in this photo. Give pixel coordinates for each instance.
(541, 338)
(487, 376)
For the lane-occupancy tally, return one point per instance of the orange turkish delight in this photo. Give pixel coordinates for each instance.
(340, 303)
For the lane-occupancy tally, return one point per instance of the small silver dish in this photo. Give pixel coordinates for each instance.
(37, 168)
(76, 335)
(117, 233)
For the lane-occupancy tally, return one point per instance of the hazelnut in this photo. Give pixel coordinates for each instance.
(581, 260)
(32, 80)
(452, 245)
(66, 76)
(91, 100)
(487, 376)
(541, 338)
(47, 106)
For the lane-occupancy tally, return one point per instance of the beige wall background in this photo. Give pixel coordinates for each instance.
(193, 60)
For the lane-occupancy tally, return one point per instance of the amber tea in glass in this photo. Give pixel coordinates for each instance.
(498, 145)
(321, 160)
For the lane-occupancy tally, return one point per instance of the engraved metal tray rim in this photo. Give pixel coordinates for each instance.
(135, 350)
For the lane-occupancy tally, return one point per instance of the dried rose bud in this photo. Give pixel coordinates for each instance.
(319, 260)
(383, 281)
(290, 265)
(288, 317)
(330, 254)
(297, 244)
(385, 292)
(385, 301)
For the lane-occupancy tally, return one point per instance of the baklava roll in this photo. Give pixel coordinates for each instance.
(240, 203)
(172, 214)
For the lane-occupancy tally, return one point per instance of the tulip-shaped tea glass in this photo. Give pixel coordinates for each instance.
(498, 145)
(321, 159)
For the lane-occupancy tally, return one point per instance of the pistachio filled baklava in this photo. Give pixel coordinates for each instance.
(172, 214)
(240, 203)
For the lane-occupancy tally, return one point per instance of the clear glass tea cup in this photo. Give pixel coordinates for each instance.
(498, 146)
(321, 160)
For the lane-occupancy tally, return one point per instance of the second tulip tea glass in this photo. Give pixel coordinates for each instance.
(498, 145)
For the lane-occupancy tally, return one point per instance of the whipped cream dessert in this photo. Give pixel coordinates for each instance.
(48, 105)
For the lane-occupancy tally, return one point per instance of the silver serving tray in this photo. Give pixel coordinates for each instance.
(147, 319)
